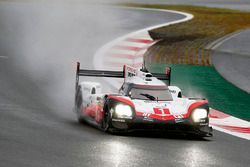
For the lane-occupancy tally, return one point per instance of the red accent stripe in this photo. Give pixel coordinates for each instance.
(122, 100)
(166, 111)
(161, 111)
(234, 128)
(139, 113)
(146, 41)
(217, 114)
(157, 111)
(90, 110)
(195, 105)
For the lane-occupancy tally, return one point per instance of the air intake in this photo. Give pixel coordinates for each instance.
(149, 75)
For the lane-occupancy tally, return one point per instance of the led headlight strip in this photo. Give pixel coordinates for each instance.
(122, 111)
(199, 114)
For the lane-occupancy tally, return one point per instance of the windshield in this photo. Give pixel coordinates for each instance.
(151, 94)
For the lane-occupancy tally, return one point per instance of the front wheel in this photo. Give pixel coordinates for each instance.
(106, 123)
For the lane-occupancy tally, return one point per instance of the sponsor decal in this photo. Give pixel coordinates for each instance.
(179, 120)
(148, 119)
(146, 114)
(118, 120)
(129, 71)
(172, 91)
(179, 116)
(162, 111)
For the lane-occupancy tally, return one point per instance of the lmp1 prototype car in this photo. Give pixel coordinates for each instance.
(144, 102)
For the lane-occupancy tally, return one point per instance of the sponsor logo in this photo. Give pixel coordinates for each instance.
(161, 111)
(118, 120)
(146, 114)
(172, 91)
(179, 116)
(203, 124)
(146, 117)
(179, 120)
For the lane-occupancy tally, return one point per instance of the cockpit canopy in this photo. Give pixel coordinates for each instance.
(146, 92)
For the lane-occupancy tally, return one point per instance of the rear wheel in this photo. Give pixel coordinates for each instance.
(79, 116)
(80, 120)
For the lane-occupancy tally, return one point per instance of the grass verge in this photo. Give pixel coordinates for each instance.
(185, 43)
(204, 81)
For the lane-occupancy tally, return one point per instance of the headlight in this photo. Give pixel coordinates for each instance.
(199, 114)
(123, 111)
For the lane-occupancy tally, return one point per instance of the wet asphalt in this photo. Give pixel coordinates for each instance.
(39, 45)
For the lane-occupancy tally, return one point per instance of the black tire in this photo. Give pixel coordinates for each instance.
(106, 122)
(80, 119)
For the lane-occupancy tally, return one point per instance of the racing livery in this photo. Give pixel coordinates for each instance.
(144, 102)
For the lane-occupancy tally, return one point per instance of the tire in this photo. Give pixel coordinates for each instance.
(106, 122)
(80, 119)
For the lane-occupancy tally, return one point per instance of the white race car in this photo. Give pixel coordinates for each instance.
(144, 102)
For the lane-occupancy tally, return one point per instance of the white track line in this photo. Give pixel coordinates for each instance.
(131, 54)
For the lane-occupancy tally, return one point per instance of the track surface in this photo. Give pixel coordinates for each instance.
(232, 60)
(38, 46)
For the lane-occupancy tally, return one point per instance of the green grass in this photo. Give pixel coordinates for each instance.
(204, 81)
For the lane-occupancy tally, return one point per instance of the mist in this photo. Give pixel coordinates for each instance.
(42, 41)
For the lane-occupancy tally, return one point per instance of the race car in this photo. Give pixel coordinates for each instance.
(143, 102)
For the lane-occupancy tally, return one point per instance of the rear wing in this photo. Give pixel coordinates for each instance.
(127, 72)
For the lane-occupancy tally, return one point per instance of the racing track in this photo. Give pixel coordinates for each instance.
(231, 58)
(37, 125)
